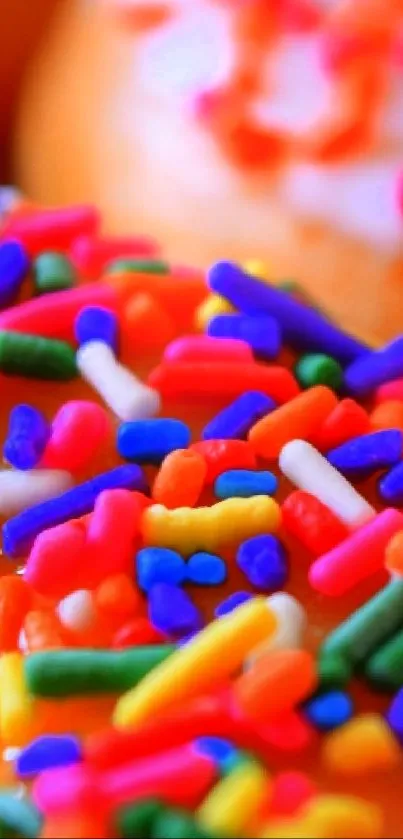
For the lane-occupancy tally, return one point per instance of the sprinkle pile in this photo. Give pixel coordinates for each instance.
(158, 677)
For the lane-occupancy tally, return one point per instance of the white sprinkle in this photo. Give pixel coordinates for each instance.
(19, 490)
(291, 625)
(302, 464)
(121, 390)
(77, 611)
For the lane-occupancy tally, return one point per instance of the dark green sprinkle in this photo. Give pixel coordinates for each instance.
(53, 272)
(36, 358)
(177, 824)
(384, 669)
(136, 820)
(18, 815)
(68, 672)
(333, 670)
(319, 369)
(139, 266)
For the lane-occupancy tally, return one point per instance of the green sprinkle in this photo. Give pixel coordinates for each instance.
(139, 266)
(137, 820)
(18, 815)
(333, 670)
(384, 669)
(53, 272)
(36, 358)
(318, 369)
(68, 672)
(176, 824)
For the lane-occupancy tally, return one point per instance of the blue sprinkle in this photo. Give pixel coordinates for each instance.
(172, 611)
(28, 433)
(221, 751)
(14, 266)
(303, 327)
(394, 715)
(329, 710)
(235, 421)
(149, 441)
(263, 561)
(20, 531)
(206, 569)
(390, 486)
(232, 602)
(159, 565)
(243, 483)
(364, 455)
(96, 323)
(375, 368)
(263, 333)
(47, 752)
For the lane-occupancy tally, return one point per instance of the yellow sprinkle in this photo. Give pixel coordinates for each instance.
(345, 817)
(364, 744)
(189, 529)
(212, 306)
(213, 655)
(16, 706)
(257, 268)
(296, 828)
(234, 801)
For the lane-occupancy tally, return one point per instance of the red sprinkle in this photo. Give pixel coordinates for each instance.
(316, 527)
(221, 455)
(223, 379)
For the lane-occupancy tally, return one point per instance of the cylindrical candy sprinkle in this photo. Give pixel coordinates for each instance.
(91, 254)
(348, 419)
(237, 418)
(363, 745)
(207, 528)
(54, 565)
(15, 602)
(180, 480)
(387, 415)
(14, 266)
(366, 629)
(145, 324)
(315, 525)
(36, 358)
(290, 630)
(77, 612)
(234, 801)
(390, 486)
(374, 369)
(177, 293)
(42, 630)
(305, 467)
(329, 710)
(112, 534)
(384, 669)
(210, 380)
(205, 569)
(394, 554)
(394, 715)
(46, 752)
(213, 305)
(22, 489)
(275, 683)
(214, 654)
(204, 348)
(96, 323)
(243, 483)
(262, 333)
(138, 266)
(28, 433)
(390, 391)
(302, 326)
(301, 417)
(138, 819)
(172, 612)
(362, 456)
(263, 561)
(357, 558)
(232, 602)
(319, 369)
(16, 704)
(52, 272)
(290, 791)
(54, 228)
(150, 440)
(127, 397)
(18, 815)
(79, 431)
(60, 673)
(221, 455)
(20, 531)
(177, 824)
(159, 565)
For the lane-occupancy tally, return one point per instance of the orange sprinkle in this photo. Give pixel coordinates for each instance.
(180, 480)
(15, 601)
(387, 415)
(44, 631)
(276, 683)
(146, 324)
(117, 600)
(394, 554)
